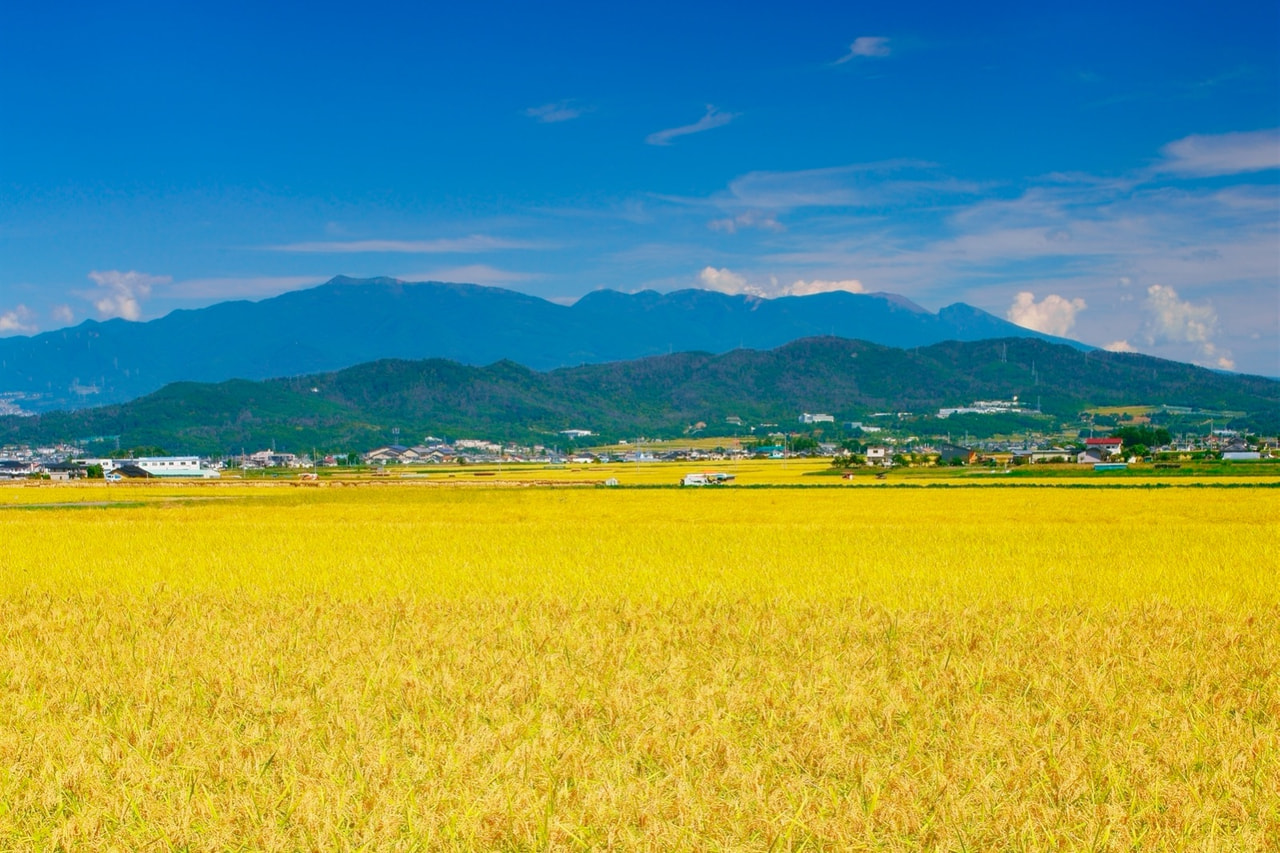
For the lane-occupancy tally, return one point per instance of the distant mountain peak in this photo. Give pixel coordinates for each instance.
(350, 320)
(899, 300)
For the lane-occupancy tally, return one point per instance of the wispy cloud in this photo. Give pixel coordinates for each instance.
(749, 219)
(120, 294)
(713, 119)
(62, 314)
(442, 246)
(246, 287)
(855, 185)
(469, 274)
(556, 112)
(759, 199)
(1222, 154)
(866, 47)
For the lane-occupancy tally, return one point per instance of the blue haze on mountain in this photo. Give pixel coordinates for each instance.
(346, 322)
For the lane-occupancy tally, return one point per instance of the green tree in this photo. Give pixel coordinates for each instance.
(135, 452)
(1149, 436)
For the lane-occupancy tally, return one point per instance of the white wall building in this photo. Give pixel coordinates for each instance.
(168, 466)
(878, 455)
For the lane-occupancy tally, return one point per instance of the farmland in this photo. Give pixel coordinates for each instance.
(400, 665)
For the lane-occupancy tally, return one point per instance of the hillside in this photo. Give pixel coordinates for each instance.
(348, 322)
(357, 408)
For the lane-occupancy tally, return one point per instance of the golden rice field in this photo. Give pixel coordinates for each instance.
(402, 667)
(758, 472)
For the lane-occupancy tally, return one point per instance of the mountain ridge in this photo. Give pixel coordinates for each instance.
(360, 407)
(349, 321)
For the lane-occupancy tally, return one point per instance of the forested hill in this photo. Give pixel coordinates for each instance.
(348, 322)
(358, 408)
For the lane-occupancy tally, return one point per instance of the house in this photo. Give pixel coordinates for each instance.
(1092, 456)
(64, 471)
(1239, 451)
(1107, 446)
(878, 455)
(16, 469)
(949, 452)
(391, 453)
(272, 459)
(128, 471)
(1041, 455)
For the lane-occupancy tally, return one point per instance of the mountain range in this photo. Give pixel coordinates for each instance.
(346, 322)
(384, 401)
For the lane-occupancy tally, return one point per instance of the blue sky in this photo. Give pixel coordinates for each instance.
(1108, 174)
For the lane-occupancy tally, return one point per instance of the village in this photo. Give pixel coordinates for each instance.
(860, 444)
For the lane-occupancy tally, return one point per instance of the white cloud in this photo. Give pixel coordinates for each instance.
(455, 245)
(713, 119)
(17, 321)
(904, 227)
(750, 219)
(1119, 346)
(867, 47)
(1054, 315)
(1172, 320)
(1222, 154)
(120, 294)
(817, 285)
(727, 281)
(551, 113)
(62, 314)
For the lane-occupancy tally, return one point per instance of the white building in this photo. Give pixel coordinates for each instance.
(167, 466)
(878, 455)
(984, 407)
(807, 418)
(478, 445)
(272, 459)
